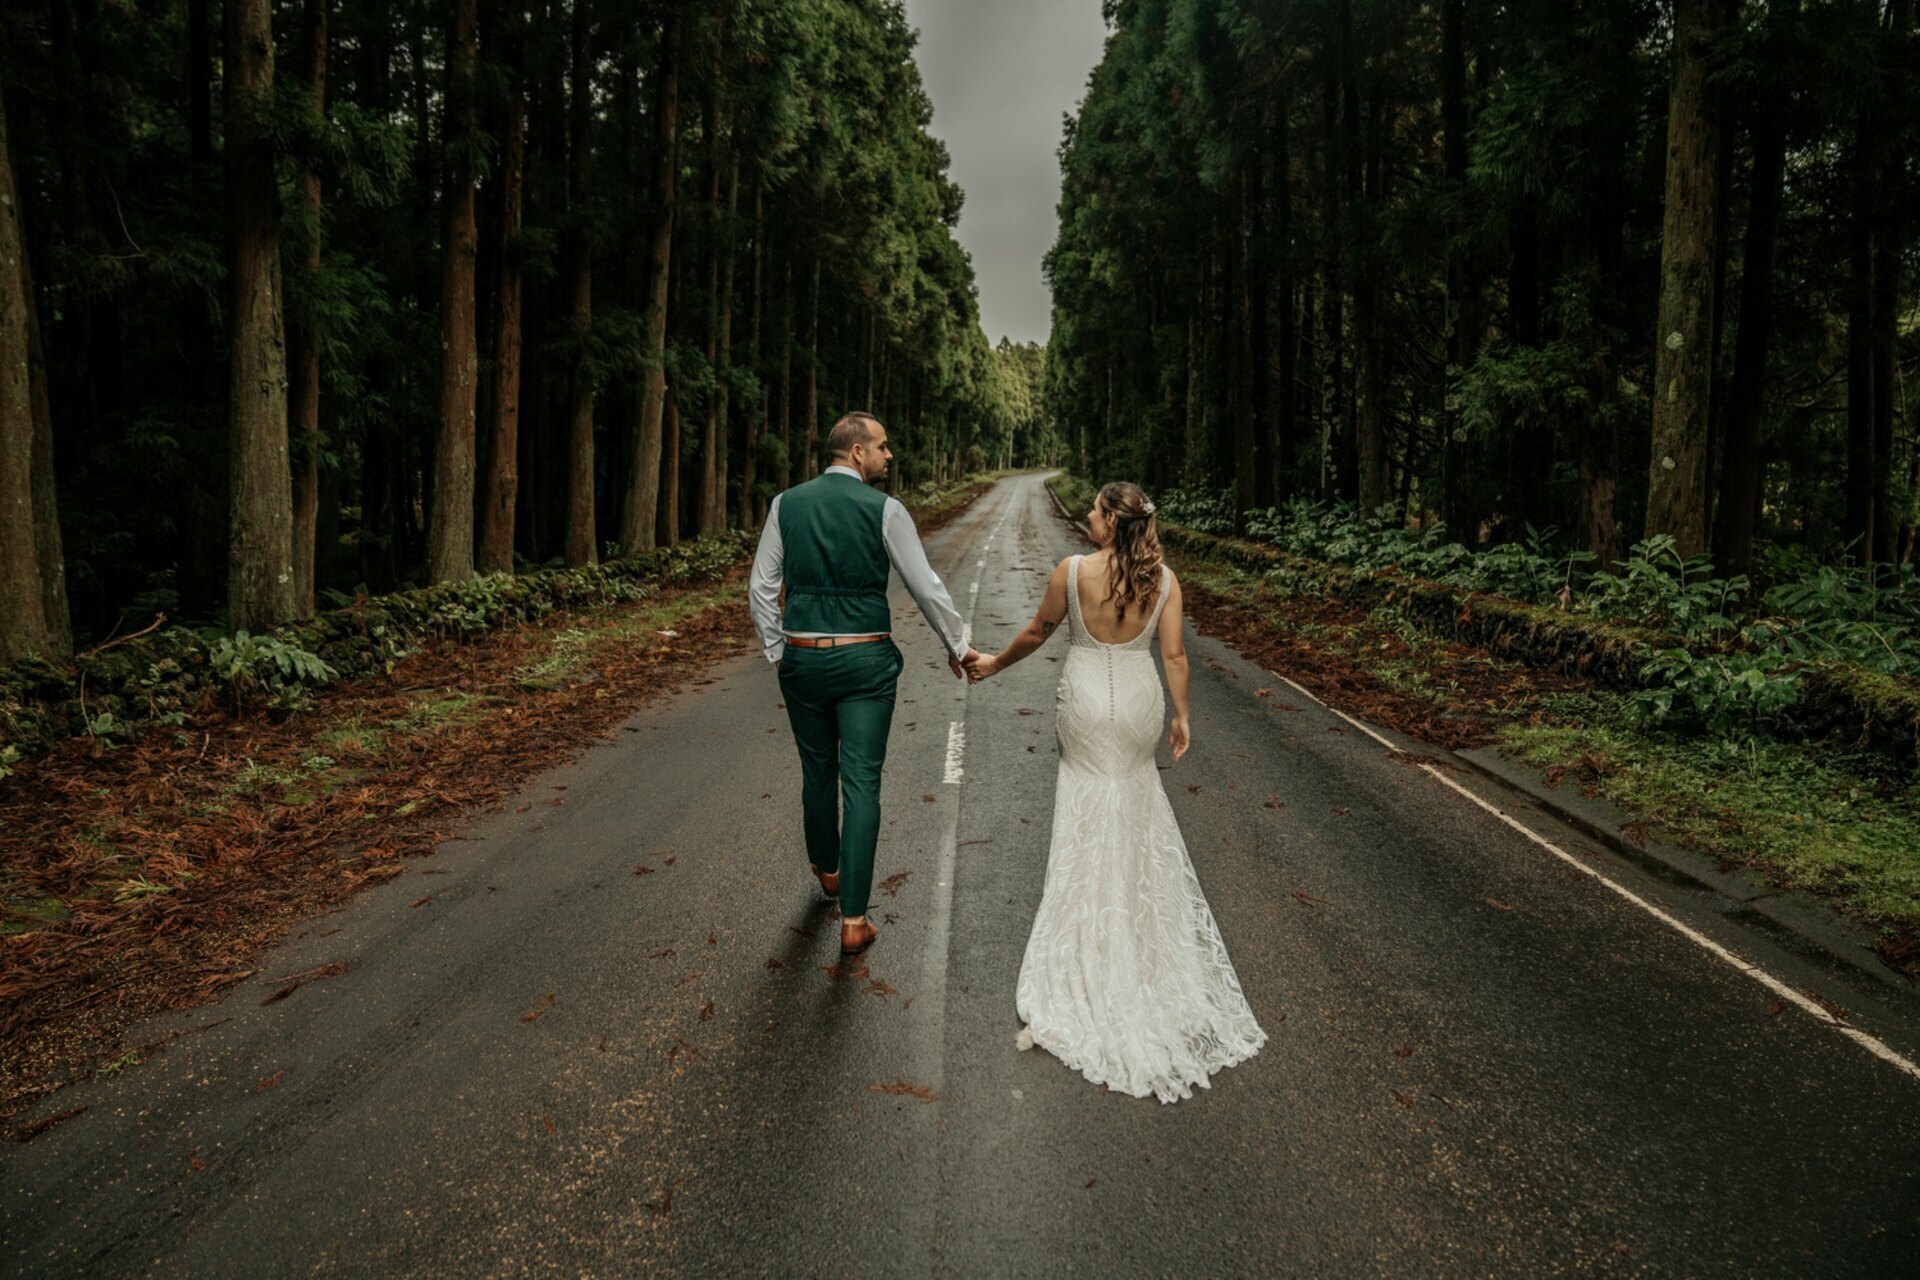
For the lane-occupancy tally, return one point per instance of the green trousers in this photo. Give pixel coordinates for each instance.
(840, 703)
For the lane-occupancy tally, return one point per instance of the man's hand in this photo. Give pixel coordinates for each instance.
(980, 666)
(962, 666)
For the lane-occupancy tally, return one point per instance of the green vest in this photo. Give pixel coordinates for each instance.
(834, 551)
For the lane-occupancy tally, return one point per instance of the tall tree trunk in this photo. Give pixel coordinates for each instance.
(1858, 529)
(715, 514)
(749, 456)
(1372, 453)
(785, 478)
(202, 502)
(450, 536)
(1249, 284)
(503, 435)
(705, 518)
(1887, 536)
(24, 630)
(303, 365)
(1740, 456)
(1463, 303)
(1598, 526)
(809, 446)
(1888, 247)
(580, 522)
(638, 530)
(49, 543)
(1683, 371)
(1333, 405)
(260, 582)
(669, 511)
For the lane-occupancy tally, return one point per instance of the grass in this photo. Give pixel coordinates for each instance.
(27, 914)
(353, 736)
(1797, 813)
(435, 712)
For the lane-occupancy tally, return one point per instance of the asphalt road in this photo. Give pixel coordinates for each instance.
(1481, 1059)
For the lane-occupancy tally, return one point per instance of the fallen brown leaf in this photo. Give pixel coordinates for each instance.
(900, 1088)
(706, 1012)
(421, 902)
(1495, 902)
(774, 964)
(270, 1081)
(1403, 1099)
(1403, 1051)
(194, 1160)
(891, 885)
(546, 1002)
(663, 953)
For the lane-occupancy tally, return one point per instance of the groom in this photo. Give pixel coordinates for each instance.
(831, 542)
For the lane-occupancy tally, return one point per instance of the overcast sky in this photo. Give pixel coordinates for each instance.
(1002, 73)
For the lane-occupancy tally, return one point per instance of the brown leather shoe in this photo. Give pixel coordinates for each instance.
(829, 883)
(855, 938)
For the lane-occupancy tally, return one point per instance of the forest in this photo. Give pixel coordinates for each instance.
(1594, 270)
(324, 297)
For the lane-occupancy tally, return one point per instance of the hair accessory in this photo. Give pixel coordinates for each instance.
(1147, 508)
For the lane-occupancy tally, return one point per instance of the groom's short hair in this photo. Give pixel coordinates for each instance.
(855, 428)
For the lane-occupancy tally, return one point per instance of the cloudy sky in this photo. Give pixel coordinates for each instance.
(1002, 73)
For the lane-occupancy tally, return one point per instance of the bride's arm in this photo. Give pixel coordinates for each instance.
(1052, 611)
(1173, 656)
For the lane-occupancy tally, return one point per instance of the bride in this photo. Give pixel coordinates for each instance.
(1125, 978)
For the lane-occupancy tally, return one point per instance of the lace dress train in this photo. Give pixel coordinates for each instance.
(1125, 977)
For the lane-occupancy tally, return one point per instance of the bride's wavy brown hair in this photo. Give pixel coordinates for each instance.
(1133, 571)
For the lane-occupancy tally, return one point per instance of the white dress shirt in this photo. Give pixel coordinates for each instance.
(909, 560)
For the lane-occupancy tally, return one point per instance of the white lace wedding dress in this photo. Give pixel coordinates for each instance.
(1125, 979)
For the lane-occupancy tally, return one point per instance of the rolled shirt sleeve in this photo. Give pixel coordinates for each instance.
(763, 588)
(909, 559)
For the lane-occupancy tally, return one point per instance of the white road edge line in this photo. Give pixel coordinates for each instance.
(956, 753)
(1872, 1044)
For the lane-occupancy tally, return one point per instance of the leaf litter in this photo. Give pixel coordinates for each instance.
(236, 864)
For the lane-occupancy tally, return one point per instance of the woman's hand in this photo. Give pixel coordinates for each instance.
(1179, 737)
(982, 666)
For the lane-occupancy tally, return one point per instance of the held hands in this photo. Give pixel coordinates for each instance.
(1179, 737)
(962, 668)
(980, 666)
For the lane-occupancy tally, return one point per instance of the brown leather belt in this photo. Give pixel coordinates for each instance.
(834, 642)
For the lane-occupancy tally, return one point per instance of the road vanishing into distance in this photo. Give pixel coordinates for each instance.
(1484, 1059)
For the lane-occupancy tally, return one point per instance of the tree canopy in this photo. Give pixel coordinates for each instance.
(1609, 266)
(328, 295)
